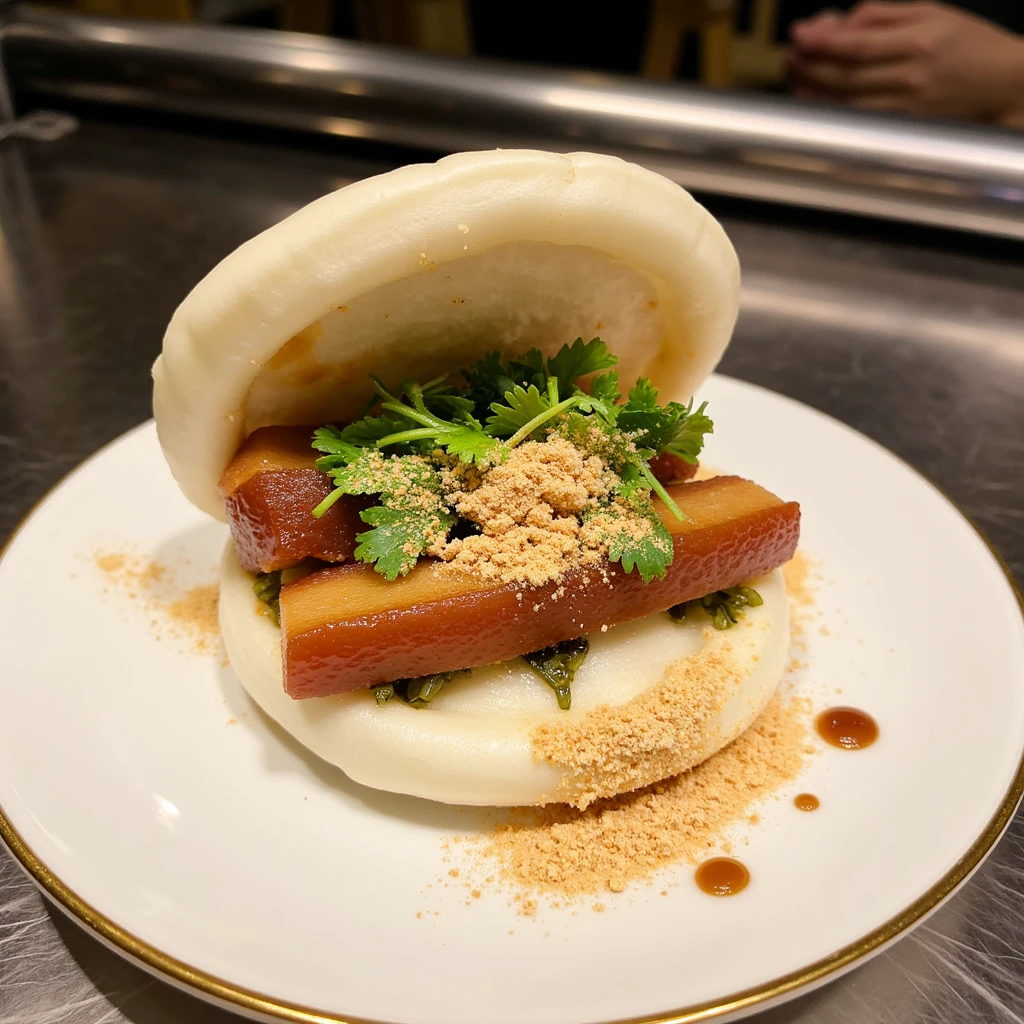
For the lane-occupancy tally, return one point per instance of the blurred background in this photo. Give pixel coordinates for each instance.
(962, 61)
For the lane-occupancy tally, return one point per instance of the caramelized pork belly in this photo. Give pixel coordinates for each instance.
(346, 627)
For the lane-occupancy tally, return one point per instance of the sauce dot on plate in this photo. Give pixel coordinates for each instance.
(849, 728)
(806, 802)
(722, 876)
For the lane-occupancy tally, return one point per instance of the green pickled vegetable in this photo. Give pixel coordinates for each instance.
(417, 693)
(557, 666)
(383, 693)
(267, 588)
(724, 607)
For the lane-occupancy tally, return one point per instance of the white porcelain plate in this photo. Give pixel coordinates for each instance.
(142, 790)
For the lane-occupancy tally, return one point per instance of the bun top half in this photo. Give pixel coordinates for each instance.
(422, 270)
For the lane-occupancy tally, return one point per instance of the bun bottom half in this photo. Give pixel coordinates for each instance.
(477, 742)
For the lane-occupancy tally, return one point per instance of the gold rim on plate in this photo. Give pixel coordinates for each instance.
(235, 997)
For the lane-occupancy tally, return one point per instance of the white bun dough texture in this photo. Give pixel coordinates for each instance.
(475, 743)
(421, 271)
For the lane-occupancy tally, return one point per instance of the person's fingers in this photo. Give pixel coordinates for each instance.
(876, 13)
(859, 45)
(819, 27)
(850, 79)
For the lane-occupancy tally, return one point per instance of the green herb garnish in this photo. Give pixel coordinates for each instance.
(267, 588)
(725, 607)
(411, 514)
(417, 693)
(640, 540)
(401, 452)
(557, 666)
(384, 692)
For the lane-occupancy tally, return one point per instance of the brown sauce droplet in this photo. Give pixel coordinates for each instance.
(849, 728)
(806, 802)
(722, 876)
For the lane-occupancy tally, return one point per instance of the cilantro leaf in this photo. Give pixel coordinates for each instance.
(411, 516)
(487, 378)
(491, 377)
(445, 401)
(642, 395)
(605, 387)
(369, 430)
(521, 405)
(652, 555)
(650, 551)
(594, 435)
(689, 436)
(399, 536)
(462, 436)
(577, 360)
(528, 369)
(633, 481)
(673, 428)
(604, 392)
(337, 451)
(466, 440)
(470, 443)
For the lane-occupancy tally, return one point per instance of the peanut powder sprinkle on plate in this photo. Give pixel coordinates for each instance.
(618, 841)
(187, 615)
(797, 572)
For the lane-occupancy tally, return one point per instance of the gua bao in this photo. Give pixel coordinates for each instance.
(468, 562)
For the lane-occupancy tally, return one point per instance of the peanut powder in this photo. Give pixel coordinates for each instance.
(531, 510)
(614, 749)
(797, 573)
(624, 839)
(188, 616)
(196, 614)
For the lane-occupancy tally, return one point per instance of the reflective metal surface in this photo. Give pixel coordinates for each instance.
(917, 341)
(766, 147)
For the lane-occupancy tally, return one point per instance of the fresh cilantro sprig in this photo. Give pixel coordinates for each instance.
(492, 377)
(674, 428)
(410, 517)
(461, 435)
(526, 410)
(634, 534)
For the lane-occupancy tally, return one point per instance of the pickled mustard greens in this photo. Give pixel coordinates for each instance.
(399, 454)
(725, 607)
(557, 666)
(417, 693)
(267, 589)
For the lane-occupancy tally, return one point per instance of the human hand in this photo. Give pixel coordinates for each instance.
(918, 57)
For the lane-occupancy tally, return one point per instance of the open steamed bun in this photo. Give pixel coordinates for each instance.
(420, 271)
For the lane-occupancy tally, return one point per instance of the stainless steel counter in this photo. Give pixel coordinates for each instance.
(767, 147)
(913, 337)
